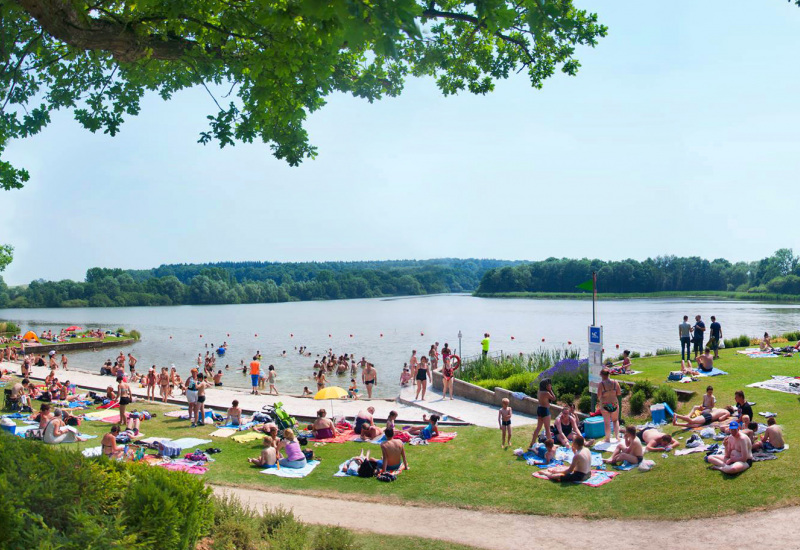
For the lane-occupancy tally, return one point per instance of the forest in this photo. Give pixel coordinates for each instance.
(252, 283)
(777, 274)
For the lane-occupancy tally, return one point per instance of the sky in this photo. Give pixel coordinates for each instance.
(679, 135)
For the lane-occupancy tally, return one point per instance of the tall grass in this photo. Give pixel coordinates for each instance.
(501, 368)
(7, 327)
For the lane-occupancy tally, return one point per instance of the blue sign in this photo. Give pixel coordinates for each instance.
(594, 335)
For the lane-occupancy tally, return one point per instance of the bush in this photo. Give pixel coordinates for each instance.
(276, 519)
(792, 336)
(121, 330)
(635, 355)
(638, 400)
(334, 538)
(665, 394)
(7, 327)
(568, 376)
(585, 404)
(744, 341)
(667, 351)
(567, 398)
(290, 536)
(135, 334)
(644, 386)
(181, 502)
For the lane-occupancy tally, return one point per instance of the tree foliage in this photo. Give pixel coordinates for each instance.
(777, 273)
(6, 255)
(279, 61)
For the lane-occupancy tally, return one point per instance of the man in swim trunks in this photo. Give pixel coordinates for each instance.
(393, 453)
(579, 470)
(630, 451)
(255, 370)
(125, 398)
(738, 455)
(370, 377)
(705, 418)
(364, 418)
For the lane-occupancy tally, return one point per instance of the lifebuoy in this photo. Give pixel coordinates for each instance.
(457, 359)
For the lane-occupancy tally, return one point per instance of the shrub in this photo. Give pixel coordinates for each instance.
(568, 398)
(731, 343)
(638, 400)
(665, 394)
(121, 330)
(181, 502)
(568, 376)
(744, 341)
(648, 354)
(7, 327)
(238, 534)
(667, 351)
(334, 538)
(635, 355)
(500, 368)
(135, 334)
(585, 404)
(644, 386)
(625, 389)
(276, 519)
(289, 536)
(586, 391)
(792, 336)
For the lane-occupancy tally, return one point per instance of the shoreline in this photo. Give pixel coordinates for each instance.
(709, 295)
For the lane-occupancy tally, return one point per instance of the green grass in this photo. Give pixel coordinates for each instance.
(473, 472)
(382, 542)
(710, 294)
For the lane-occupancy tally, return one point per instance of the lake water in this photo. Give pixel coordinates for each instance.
(386, 330)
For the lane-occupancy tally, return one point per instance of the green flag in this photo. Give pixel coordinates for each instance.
(587, 286)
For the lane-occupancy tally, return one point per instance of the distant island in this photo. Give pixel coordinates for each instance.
(774, 278)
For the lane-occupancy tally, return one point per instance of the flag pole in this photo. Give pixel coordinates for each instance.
(594, 298)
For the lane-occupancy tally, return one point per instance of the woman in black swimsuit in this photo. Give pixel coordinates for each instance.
(566, 425)
(423, 374)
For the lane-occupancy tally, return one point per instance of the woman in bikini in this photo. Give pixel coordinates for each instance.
(608, 391)
(163, 382)
(423, 374)
(109, 444)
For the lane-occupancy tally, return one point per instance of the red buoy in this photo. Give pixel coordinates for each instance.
(381, 335)
(542, 339)
(512, 337)
(569, 343)
(351, 336)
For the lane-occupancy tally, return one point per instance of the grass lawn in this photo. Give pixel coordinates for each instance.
(472, 471)
(381, 542)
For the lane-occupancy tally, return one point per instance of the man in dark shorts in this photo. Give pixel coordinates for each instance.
(716, 336)
(698, 334)
(579, 470)
(706, 418)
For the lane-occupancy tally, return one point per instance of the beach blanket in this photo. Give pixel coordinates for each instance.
(151, 440)
(378, 440)
(762, 456)
(345, 436)
(180, 413)
(565, 454)
(223, 432)
(629, 373)
(92, 451)
(713, 372)
(247, 436)
(16, 416)
(606, 447)
(293, 472)
(625, 466)
(532, 459)
(111, 405)
(784, 384)
(111, 419)
(99, 415)
(755, 353)
(698, 449)
(598, 478)
(239, 427)
(183, 465)
(21, 430)
(189, 442)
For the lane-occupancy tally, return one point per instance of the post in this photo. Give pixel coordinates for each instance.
(459, 343)
(594, 298)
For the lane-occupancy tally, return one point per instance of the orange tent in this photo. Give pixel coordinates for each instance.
(30, 335)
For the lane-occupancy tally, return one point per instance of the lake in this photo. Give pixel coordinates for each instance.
(386, 330)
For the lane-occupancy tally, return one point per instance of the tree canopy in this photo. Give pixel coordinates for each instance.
(277, 61)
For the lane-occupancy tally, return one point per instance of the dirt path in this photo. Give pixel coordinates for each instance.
(508, 531)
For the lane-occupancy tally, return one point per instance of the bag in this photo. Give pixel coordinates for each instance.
(386, 476)
(197, 456)
(367, 469)
(302, 440)
(309, 455)
(675, 376)
(124, 439)
(261, 417)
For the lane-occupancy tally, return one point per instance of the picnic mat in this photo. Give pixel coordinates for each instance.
(713, 372)
(247, 436)
(99, 415)
(111, 419)
(443, 437)
(598, 478)
(180, 413)
(780, 383)
(293, 472)
(187, 466)
(189, 442)
(756, 353)
(223, 432)
(565, 454)
(344, 437)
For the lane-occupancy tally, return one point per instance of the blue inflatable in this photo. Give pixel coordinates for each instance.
(221, 351)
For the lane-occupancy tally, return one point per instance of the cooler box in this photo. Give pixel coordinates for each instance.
(658, 413)
(594, 427)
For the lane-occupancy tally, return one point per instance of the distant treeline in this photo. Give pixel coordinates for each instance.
(252, 282)
(777, 274)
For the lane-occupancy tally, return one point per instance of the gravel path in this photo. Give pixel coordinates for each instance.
(777, 529)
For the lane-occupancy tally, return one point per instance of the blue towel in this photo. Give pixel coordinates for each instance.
(16, 415)
(625, 466)
(713, 372)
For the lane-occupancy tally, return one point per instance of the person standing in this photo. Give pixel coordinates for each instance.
(255, 371)
(698, 334)
(684, 333)
(485, 345)
(716, 336)
(64, 361)
(370, 378)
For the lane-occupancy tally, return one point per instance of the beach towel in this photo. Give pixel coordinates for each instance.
(345, 436)
(784, 384)
(755, 353)
(111, 405)
(151, 440)
(698, 449)
(239, 427)
(111, 419)
(294, 473)
(180, 413)
(606, 447)
(629, 373)
(341, 472)
(247, 436)
(598, 478)
(92, 451)
(443, 437)
(99, 415)
(566, 455)
(625, 466)
(184, 466)
(762, 456)
(223, 432)
(21, 430)
(16, 416)
(774, 450)
(713, 372)
(378, 440)
(189, 442)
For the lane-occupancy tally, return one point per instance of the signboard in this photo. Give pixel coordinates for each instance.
(595, 357)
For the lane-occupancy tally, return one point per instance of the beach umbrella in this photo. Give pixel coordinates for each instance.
(73, 327)
(331, 392)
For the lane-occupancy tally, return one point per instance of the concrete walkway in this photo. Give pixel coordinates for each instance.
(220, 398)
(471, 412)
(777, 529)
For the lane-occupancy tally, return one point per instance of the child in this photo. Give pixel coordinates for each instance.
(772, 440)
(391, 419)
(234, 414)
(429, 431)
(352, 391)
(405, 377)
(269, 455)
(545, 396)
(271, 379)
(306, 392)
(504, 421)
(708, 403)
(549, 452)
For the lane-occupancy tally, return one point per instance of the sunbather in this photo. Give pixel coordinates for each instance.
(109, 444)
(686, 368)
(294, 455)
(738, 455)
(393, 453)
(656, 440)
(234, 417)
(705, 418)
(323, 427)
(772, 439)
(579, 470)
(630, 450)
(57, 431)
(269, 455)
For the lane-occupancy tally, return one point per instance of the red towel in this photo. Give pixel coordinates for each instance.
(443, 437)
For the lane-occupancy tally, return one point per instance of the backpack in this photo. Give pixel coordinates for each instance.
(675, 376)
(367, 469)
(386, 476)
